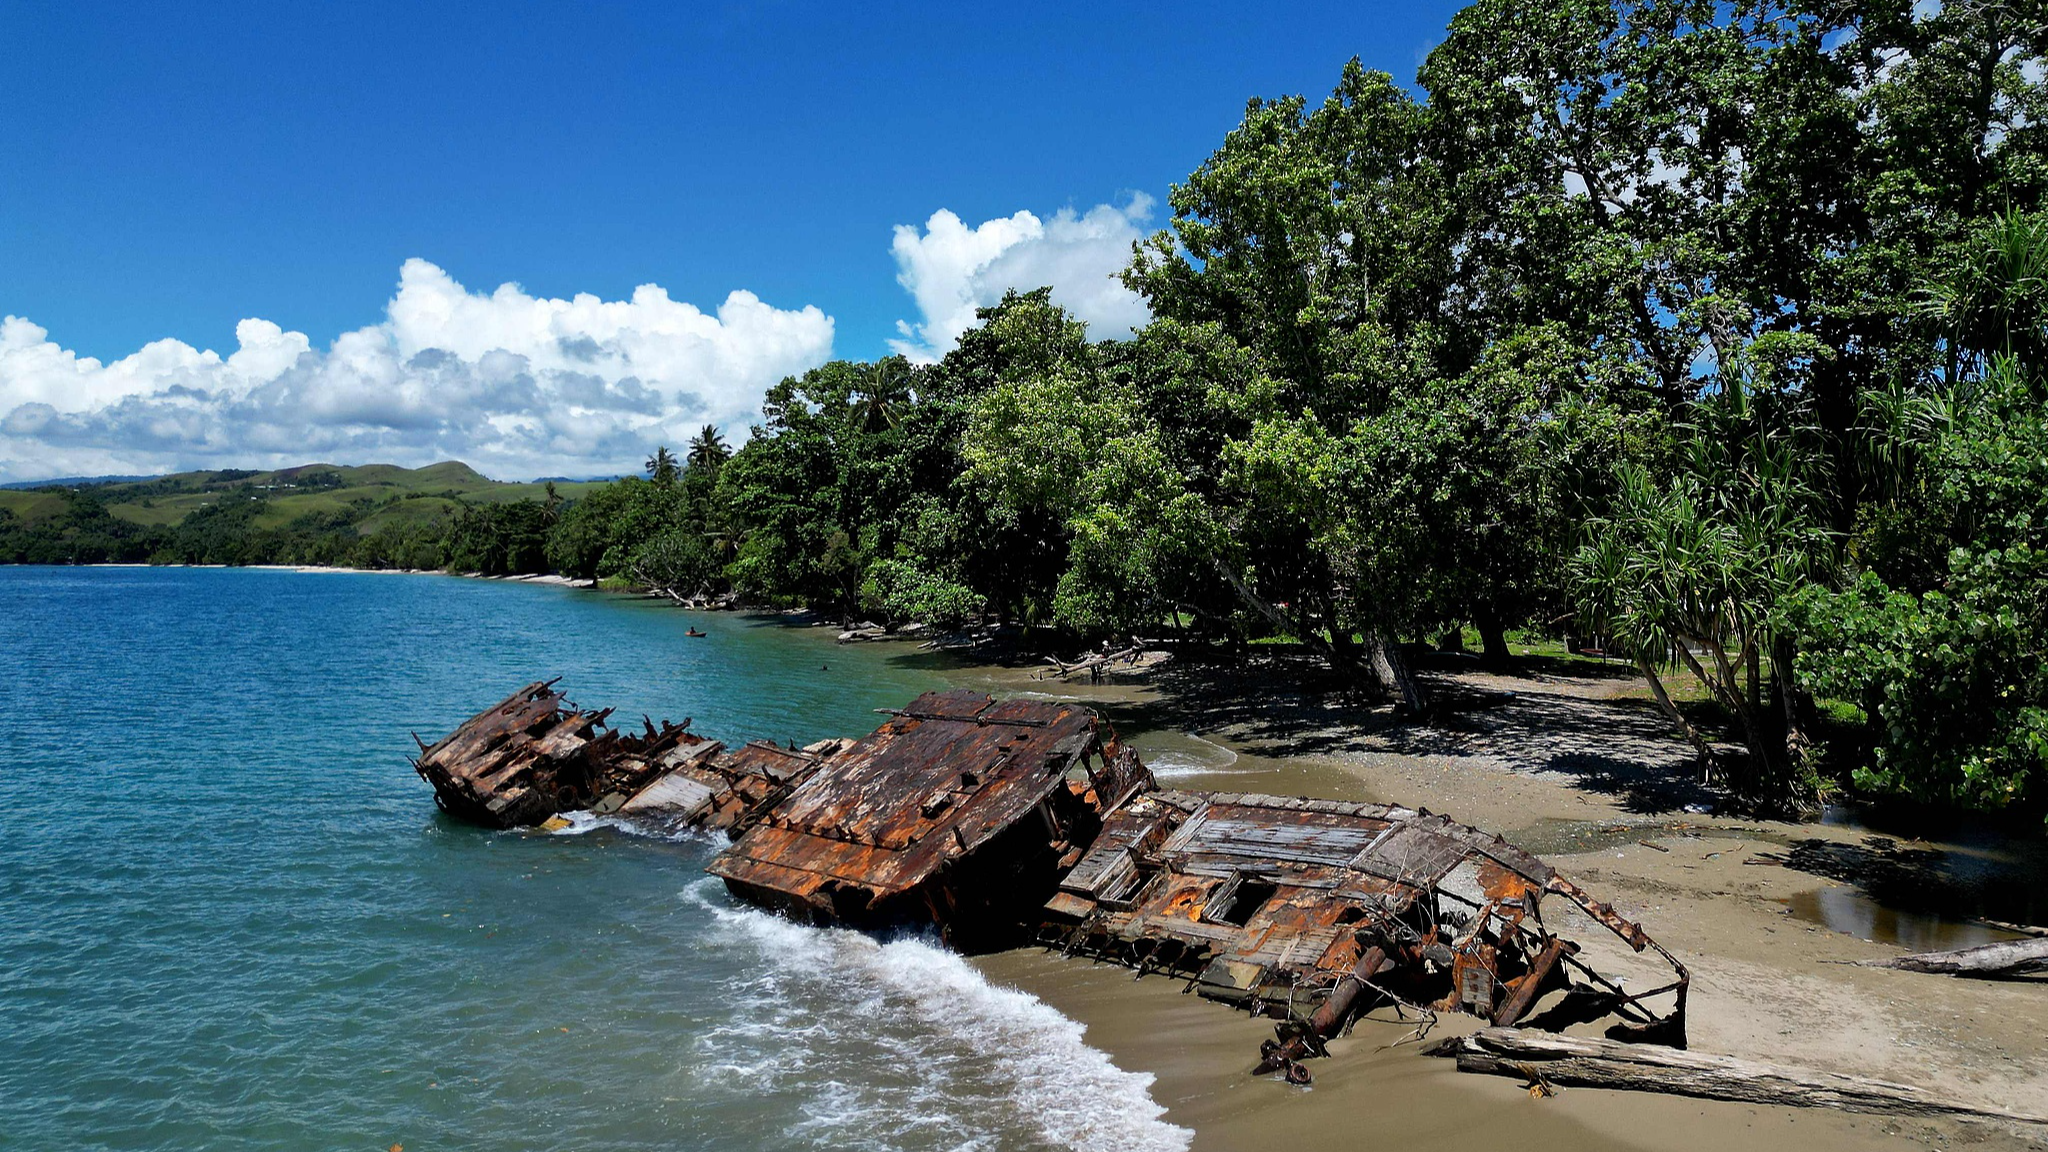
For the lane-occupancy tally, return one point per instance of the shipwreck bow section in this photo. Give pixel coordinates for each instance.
(961, 811)
(534, 755)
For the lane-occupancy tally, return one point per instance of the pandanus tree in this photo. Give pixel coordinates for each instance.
(1691, 570)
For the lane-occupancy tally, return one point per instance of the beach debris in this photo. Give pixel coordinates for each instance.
(960, 811)
(1134, 657)
(2001, 959)
(1317, 910)
(1596, 1063)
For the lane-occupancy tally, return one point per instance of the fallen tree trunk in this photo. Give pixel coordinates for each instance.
(1094, 663)
(1654, 1068)
(2005, 958)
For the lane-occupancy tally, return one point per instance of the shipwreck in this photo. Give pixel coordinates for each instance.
(535, 755)
(996, 822)
(1312, 910)
(957, 812)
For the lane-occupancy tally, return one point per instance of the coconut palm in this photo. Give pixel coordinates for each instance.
(662, 466)
(707, 449)
(883, 395)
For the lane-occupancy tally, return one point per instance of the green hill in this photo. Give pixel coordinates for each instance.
(290, 493)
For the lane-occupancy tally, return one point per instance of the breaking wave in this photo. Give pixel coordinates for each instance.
(902, 1045)
(581, 823)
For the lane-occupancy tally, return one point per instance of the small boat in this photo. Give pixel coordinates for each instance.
(696, 634)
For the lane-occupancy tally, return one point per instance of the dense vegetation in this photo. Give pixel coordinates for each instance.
(1708, 333)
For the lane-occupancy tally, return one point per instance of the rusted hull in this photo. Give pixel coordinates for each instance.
(534, 755)
(990, 820)
(1315, 910)
(957, 813)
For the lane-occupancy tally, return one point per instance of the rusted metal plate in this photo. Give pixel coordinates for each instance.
(900, 812)
(1416, 852)
(679, 795)
(1246, 833)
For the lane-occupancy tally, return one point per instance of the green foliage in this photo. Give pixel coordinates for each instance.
(900, 591)
(1954, 678)
(1946, 659)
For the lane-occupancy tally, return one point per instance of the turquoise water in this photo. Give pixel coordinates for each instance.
(230, 916)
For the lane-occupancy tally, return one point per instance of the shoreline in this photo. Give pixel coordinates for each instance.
(1569, 768)
(547, 578)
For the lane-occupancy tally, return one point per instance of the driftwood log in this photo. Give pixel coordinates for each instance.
(1094, 663)
(1542, 1056)
(2004, 958)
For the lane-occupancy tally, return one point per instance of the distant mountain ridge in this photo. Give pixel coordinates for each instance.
(71, 482)
(376, 495)
(83, 481)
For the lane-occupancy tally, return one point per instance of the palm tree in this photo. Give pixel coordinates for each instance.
(662, 466)
(707, 449)
(884, 394)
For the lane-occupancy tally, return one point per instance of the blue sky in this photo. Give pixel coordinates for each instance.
(172, 171)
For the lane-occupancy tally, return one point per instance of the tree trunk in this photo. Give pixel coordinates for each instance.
(1452, 640)
(1391, 669)
(1493, 639)
(1765, 779)
(1343, 661)
(1752, 659)
(2005, 958)
(1541, 1057)
(1692, 734)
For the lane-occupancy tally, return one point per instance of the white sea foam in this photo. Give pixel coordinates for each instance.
(901, 1044)
(581, 823)
(1201, 758)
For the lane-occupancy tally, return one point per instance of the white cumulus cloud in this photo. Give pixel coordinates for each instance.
(515, 384)
(950, 270)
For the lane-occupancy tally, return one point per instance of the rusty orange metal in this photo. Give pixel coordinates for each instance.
(989, 818)
(1305, 909)
(946, 814)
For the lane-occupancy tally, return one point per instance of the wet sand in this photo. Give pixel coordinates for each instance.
(1575, 770)
(1368, 1098)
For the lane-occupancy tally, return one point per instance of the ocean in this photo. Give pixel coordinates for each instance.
(231, 917)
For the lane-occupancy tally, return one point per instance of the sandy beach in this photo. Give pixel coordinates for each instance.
(1574, 768)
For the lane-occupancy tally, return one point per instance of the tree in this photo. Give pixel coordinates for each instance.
(1938, 639)
(707, 449)
(1692, 568)
(883, 394)
(661, 467)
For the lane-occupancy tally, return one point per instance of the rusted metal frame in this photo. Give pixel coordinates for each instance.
(1629, 931)
(1530, 988)
(1399, 1000)
(1636, 938)
(1626, 1002)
